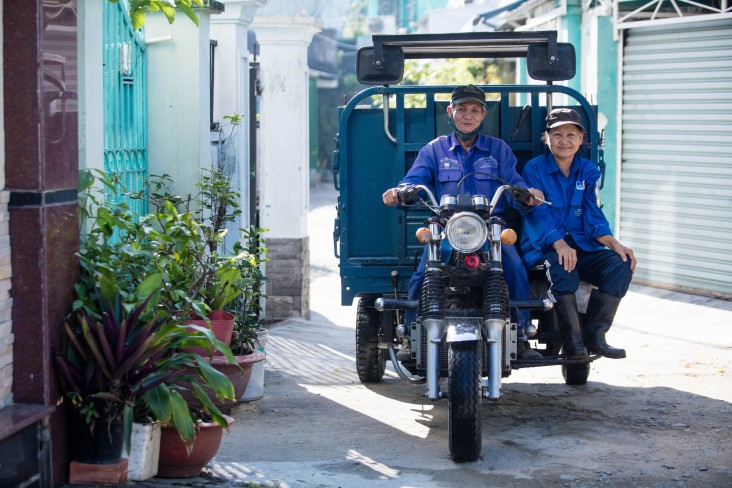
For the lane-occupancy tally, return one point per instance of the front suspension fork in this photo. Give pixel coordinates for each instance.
(496, 314)
(433, 312)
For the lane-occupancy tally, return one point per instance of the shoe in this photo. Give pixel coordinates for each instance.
(600, 314)
(525, 352)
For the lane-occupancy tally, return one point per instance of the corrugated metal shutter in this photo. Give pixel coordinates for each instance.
(676, 175)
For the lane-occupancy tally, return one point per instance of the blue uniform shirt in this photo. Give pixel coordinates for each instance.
(443, 162)
(574, 208)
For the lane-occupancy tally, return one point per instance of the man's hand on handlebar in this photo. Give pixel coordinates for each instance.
(400, 195)
(391, 197)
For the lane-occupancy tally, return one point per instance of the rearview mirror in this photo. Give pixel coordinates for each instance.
(540, 67)
(385, 71)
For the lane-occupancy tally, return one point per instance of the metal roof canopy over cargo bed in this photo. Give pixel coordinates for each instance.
(376, 146)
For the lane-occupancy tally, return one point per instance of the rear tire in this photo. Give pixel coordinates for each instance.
(370, 362)
(464, 424)
(576, 374)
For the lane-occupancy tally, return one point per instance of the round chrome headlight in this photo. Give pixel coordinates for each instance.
(466, 232)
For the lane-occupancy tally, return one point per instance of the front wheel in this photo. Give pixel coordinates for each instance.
(464, 425)
(370, 363)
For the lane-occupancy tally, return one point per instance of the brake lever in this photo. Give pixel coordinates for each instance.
(524, 195)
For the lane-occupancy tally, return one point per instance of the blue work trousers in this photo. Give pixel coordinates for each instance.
(604, 268)
(513, 271)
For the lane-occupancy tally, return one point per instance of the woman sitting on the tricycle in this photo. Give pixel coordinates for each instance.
(572, 238)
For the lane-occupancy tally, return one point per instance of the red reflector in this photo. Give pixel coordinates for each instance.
(471, 261)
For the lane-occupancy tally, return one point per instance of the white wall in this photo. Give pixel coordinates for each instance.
(91, 84)
(178, 98)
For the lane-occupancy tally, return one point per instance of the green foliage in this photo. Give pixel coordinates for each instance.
(128, 360)
(247, 306)
(139, 9)
(454, 71)
(199, 274)
(140, 277)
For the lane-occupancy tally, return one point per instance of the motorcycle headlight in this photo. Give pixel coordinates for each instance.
(466, 232)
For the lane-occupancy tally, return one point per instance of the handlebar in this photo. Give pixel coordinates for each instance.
(410, 193)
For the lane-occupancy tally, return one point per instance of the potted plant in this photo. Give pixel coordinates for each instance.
(201, 280)
(122, 352)
(107, 366)
(248, 339)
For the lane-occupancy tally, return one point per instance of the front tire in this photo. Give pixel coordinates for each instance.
(464, 424)
(370, 362)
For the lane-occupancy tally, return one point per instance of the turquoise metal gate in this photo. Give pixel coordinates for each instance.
(125, 101)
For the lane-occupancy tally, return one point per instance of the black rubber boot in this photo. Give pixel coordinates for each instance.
(570, 326)
(599, 317)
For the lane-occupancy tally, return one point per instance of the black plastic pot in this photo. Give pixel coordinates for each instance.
(103, 446)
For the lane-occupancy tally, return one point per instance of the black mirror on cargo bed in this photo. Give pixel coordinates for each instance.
(372, 69)
(542, 67)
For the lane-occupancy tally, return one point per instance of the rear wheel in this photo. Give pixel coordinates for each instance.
(576, 374)
(464, 425)
(370, 362)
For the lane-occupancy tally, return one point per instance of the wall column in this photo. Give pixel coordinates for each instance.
(231, 92)
(284, 182)
(41, 168)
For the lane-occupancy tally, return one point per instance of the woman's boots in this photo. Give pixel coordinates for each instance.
(570, 326)
(599, 317)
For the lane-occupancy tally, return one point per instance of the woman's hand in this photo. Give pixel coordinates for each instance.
(624, 252)
(538, 194)
(567, 255)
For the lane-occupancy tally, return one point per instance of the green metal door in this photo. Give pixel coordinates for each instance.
(125, 101)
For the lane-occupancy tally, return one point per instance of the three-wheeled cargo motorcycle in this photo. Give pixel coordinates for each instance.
(463, 330)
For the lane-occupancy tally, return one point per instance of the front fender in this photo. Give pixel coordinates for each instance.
(461, 329)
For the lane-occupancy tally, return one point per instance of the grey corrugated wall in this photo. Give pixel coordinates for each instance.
(676, 174)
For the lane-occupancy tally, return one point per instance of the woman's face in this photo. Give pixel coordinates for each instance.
(468, 116)
(564, 141)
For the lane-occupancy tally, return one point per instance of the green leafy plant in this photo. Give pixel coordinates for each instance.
(124, 351)
(139, 8)
(199, 276)
(108, 367)
(248, 305)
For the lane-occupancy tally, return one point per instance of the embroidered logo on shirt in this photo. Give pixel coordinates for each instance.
(448, 163)
(485, 163)
(580, 185)
(578, 212)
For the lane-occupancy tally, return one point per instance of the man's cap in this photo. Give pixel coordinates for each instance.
(467, 93)
(563, 116)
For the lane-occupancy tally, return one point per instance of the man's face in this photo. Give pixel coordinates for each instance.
(468, 116)
(565, 140)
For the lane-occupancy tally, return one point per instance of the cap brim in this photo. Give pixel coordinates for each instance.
(467, 99)
(565, 122)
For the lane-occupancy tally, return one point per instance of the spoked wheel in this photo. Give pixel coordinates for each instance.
(370, 362)
(464, 425)
(576, 374)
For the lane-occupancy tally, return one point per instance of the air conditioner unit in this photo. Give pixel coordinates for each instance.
(381, 24)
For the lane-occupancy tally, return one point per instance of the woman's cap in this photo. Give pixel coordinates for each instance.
(563, 116)
(467, 93)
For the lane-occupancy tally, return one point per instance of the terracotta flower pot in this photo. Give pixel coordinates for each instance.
(239, 375)
(176, 462)
(222, 326)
